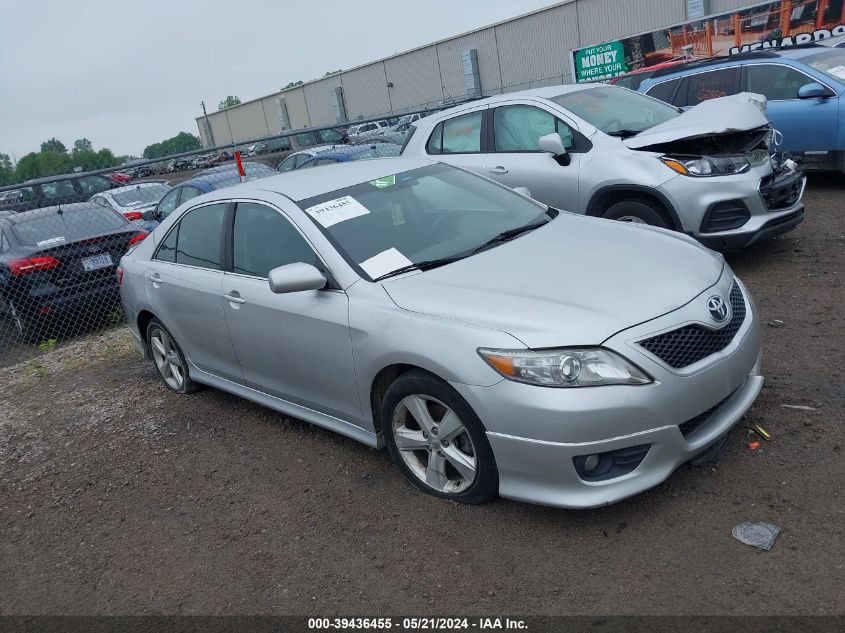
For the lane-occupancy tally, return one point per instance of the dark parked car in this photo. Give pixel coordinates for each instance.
(61, 260)
(45, 192)
(205, 181)
(270, 147)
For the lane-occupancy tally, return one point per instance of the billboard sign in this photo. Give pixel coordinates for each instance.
(762, 26)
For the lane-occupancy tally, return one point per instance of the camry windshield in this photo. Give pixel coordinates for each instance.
(140, 196)
(831, 63)
(615, 110)
(420, 216)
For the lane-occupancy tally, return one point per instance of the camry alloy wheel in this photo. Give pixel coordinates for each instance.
(434, 444)
(166, 358)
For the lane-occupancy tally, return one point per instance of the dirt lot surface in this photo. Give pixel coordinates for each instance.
(118, 496)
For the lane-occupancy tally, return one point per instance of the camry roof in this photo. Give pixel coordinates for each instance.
(300, 184)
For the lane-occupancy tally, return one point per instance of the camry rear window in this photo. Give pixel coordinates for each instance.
(68, 226)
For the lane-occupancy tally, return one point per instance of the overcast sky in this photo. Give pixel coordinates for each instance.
(126, 75)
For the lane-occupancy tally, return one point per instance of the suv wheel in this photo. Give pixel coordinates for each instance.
(638, 212)
(437, 441)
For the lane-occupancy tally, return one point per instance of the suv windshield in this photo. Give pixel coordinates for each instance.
(417, 216)
(831, 63)
(616, 110)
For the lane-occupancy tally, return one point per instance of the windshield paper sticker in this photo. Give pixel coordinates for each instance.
(385, 262)
(338, 210)
(381, 183)
(839, 71)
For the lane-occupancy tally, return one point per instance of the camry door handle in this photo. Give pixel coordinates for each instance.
(156, 280)
(498, 170)
(234, 297)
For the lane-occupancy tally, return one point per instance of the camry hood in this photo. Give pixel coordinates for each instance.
(724, 116)
(574, 281)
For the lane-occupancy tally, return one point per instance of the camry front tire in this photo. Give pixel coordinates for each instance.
(437, 441)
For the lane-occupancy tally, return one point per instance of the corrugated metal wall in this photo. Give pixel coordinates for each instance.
(365, 91)
(416, 79)
(526, 52)
(318, 99)
(246, 122)
(450, 54)
(297, 108)
(537, 48)
(601, 20)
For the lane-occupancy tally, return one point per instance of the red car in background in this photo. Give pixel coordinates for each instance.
(634, 78)
(119, 176)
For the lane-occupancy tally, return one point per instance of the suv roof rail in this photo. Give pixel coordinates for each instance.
(709, 61)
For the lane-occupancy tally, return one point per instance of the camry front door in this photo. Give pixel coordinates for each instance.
(295, 346)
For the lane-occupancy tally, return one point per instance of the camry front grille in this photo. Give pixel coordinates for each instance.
(691, 343)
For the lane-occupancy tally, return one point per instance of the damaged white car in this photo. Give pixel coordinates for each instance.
(606, 151)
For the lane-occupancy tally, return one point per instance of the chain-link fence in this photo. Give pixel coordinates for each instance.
(62, 237)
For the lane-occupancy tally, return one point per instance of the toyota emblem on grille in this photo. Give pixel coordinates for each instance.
(717, 308)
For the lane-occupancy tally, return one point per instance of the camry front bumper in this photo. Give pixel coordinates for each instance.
(542, 437)
(545, 472)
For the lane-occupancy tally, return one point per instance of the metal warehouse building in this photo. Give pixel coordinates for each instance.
(531, 50)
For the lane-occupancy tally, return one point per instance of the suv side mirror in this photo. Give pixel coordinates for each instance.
(811, 91)
(551, 144)
(296, 277)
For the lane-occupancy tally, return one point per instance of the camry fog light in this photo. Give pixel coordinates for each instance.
(591, 462)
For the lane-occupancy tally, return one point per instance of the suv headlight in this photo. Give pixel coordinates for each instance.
(583, 367)
(708, 165)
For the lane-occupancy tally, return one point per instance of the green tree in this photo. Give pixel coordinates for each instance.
(182, 142)
(54, 145)
(85, 160)
(293, 84)
(228, 102)
(82, 145)
(333, 72)
(105, 158)
(7, 170)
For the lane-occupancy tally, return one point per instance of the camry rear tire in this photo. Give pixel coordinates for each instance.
(437, 441)
(638, 212)
(169, 359)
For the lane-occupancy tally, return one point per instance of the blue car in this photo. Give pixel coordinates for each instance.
(804, 87)
(204, 182)
(354, 152)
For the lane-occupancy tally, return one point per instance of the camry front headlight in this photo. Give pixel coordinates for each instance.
(708, 165)
(583, 367)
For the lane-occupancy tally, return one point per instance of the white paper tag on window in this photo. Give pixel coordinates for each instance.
(338, 210)
(385, 262)
(51, 241)
(839, 71)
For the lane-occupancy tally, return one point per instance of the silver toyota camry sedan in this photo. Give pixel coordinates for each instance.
(494, 345)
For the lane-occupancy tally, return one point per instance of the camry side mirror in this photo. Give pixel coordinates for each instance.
(296, 278)
(811, 91)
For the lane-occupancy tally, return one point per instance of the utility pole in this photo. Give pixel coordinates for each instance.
(207, 125)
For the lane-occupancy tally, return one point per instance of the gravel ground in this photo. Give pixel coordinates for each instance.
(119, 497)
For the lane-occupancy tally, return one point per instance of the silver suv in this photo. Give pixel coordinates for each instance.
(610, 152)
